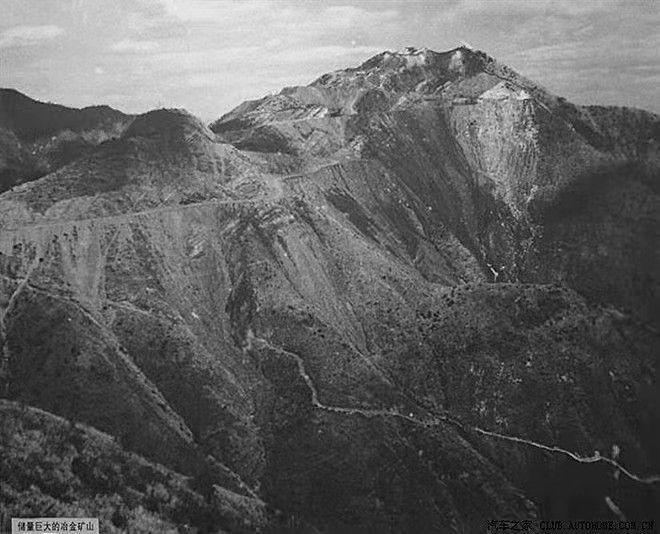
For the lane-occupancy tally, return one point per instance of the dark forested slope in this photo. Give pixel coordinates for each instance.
(37, 137)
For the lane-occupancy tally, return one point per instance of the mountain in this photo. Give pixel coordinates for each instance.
(412, 296)
(37, 138)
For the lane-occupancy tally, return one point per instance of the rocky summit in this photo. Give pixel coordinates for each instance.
(413, 296)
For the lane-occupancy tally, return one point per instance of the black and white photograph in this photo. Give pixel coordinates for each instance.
(329, 266)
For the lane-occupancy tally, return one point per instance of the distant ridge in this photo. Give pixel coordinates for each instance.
(37, 137)
(31, 119)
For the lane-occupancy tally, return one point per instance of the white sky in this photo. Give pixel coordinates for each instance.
(210, 55)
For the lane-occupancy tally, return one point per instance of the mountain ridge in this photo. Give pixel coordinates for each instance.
(276, 305)
(37, 138)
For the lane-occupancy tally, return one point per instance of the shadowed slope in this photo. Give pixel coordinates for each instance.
(37, 138)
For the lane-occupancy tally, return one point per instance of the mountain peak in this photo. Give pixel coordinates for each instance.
(388, 80)
(411, 56)
(412, 69)
(166, 122)
(414, 51)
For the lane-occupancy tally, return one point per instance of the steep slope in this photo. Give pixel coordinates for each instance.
(367, 302)
(52, 464)
(510, 169)
(37, 138)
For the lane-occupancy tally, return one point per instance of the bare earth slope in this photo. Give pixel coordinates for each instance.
(409, 297)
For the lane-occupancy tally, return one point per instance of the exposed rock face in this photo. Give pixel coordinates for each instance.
(410, 297)
(37, 138)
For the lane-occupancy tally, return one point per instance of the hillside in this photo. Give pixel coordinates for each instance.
(411, 296)
(37, 138)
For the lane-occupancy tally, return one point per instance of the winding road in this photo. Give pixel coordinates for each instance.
(436, 420)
